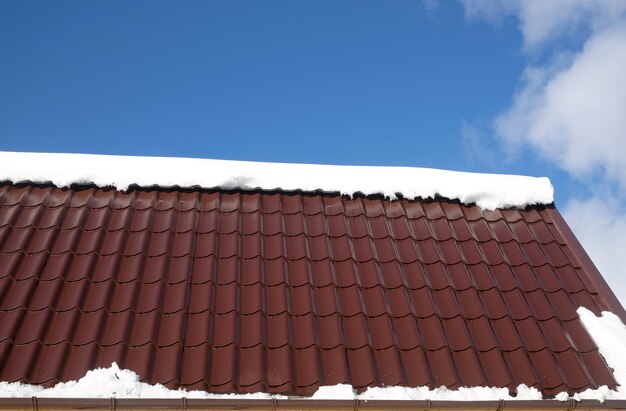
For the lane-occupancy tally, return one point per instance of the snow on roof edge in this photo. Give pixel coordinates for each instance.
(488, 191)
(609, 333)
(122, 383)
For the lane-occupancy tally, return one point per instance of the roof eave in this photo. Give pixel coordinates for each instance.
(36, 403)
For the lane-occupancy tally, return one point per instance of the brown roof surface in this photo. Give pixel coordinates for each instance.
(283, 292)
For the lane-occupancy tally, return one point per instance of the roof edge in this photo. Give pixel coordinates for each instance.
(488, 191)
(301, 403)
(606, 294)
(257, 190)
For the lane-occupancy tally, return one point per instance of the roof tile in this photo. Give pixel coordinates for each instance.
(283, 292)
(469, 368)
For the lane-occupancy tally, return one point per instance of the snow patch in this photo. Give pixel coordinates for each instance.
(119, 383)
(488, 191)
(335, 392)
(609, 334)
(114, 382)
(108, 383)
(462, 394)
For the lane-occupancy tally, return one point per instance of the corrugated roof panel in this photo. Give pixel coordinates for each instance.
(284, 292)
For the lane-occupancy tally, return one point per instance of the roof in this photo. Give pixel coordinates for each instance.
(282, 292)
(488, 191)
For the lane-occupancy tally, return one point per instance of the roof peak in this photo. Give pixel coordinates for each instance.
(488, 191)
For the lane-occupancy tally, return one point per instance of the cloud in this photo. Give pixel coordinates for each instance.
(544, 21)
(477, 146)
(575, 114)
(430, 5)
(570, 109)
(600, 225)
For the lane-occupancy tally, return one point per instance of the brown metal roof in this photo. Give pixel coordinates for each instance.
(283, 292)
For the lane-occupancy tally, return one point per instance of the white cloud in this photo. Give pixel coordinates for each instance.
(600, 226)
(542, 21)
(575, 115)
(475, 145)
(430, 5)
(570, 108)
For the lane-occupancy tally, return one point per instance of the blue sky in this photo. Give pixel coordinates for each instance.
(468, 85)
(354, 82)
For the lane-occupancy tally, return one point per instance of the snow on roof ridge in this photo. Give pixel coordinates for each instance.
(488, 191)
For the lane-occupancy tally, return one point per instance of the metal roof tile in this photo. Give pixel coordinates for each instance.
(513, 254)
(16, 294)
(496, 369)
(306, 300)
(492, 253)
(470, 252)
(432, 334)
(399, 228)
(521, 368)
(420, 229)
(362, 367)
(440, 229)
(469, 369)
(283, 292)
(389, 365)
(445, 303)
(453, 210)
(469, 304)
(457, 334)
(245, 331)
(481, 333)
(531, 334)
(480, 230)
(414, 209)
(391, 275)
(374, 207)
(406, 332)
(381, 332)
(361, 248)
(250, 201)
(10, 213)
(315, 225)
(416, 368)
(573, 372)
(547, 370)
(525, 277)
(415, 275)
(506, 333)
(461, 230)
(55, 266)
(29, 265)
(443, 369)
(433, 210)
(374, 301)
(501, 231)
(569, 279)
(422, 302)
(322, 274)
(335, 366)
(597, 369)
(407, 251)
(399, 302)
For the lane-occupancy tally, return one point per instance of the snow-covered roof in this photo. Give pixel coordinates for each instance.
(488, 191)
